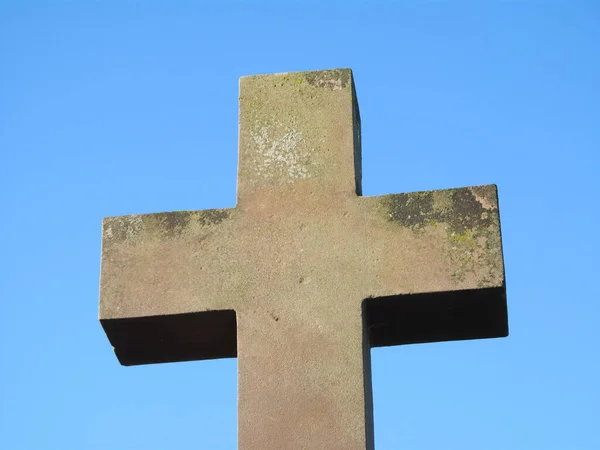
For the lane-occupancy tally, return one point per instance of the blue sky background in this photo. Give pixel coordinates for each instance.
(119, 107)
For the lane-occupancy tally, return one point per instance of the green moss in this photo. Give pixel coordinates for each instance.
(460, 209)
(469, 218)
(461, 237)
(465, 252)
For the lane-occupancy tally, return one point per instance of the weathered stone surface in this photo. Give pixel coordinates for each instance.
(304, 275)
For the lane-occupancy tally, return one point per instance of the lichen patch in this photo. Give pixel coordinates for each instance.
(486, 195)
(123, 227)
(335, 80)
(470, 219)
(280, 154)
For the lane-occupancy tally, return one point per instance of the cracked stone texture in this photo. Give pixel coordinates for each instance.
(304, 275)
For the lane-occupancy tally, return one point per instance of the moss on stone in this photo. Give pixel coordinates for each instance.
(413, 210)
(460, 209)
(174, 223)
(169, 224)
(328, 78)
(469, 219)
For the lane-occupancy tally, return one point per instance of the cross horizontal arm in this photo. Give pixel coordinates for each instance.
(162, 295)
(433, 241)
(434, 267)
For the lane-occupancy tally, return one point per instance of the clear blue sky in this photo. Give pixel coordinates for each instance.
(118, 107)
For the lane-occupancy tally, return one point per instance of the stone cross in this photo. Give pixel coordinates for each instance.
(304, 275)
